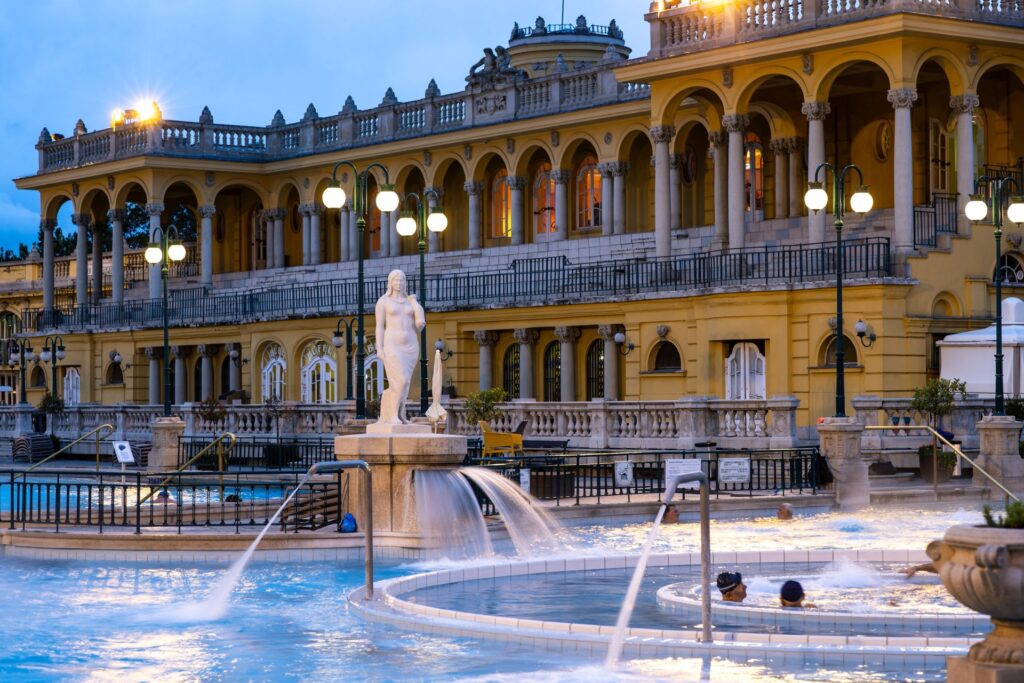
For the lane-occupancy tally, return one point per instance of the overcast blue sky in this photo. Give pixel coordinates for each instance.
(61, 60)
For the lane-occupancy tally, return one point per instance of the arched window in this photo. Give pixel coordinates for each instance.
(595, 370)
(666, 358)
(37, 378)
(115, 374)
(1011, 269)
(72, 387)
(553, 372)
(319, 373)
(939, 165)
(849, 353)
(373, 376)
(753, 176)
(744, 373)
(510, 371)
(10, 325)
(272, 372)
(588, 194)
(501, 206)
(543, 203)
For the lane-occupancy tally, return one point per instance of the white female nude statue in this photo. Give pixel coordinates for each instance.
(399, 321)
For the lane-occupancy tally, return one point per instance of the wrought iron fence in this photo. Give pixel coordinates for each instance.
(255, 454)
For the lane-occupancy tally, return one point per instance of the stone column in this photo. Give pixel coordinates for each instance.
(48, 224)
(206, 354)
(304, 212)
(486, 339)
(116, 219)
(97, 262)
(620, 169)
(235, 369)
(780, 176)
(526, 337)
(735, 124)
(516, 184)
(902, 100)
(662, 136)
(607, 199)
(384, 244)
(796, 188)
(675, 206)
(561, 179)
(396, 239)
(315, 213)
(278, 216)
(964, 106)
(81, 220)
(180, 374)
(268, 236)
(344, 215)
(154, 353)
(474, 189)
(154, 209)
(567, 337)
(815, 113)
(611, 362)
(998, 455)
(719, 141)
(206, 213)
(433, 238)
(840, 445)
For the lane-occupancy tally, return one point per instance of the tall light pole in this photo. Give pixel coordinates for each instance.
(816, 198)
(338, 340)
(976, 210)
(387, 201)
(168, 249)
(52, 353)
(407, 226)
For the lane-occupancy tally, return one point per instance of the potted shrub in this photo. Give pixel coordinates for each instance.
(51, 405)
(483, 405)
(936, 399)
(982, 567)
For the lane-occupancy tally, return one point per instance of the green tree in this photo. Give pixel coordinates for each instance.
(936, 398)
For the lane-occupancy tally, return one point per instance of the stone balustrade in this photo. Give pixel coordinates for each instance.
(682, 26)
(874, 410)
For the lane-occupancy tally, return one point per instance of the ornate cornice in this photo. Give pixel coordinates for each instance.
(155, 208)
(525, 335)
(516, 182)
(473, 187)
(567, 335)
(486, 337)
(560, 177)
(663, 134)
(207, 210)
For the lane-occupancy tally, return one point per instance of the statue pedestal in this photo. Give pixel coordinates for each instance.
(382, 429)
(840, 445)
(163, 457)
(998, 454)
(394, 457)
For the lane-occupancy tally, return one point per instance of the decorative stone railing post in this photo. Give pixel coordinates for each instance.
(782, 428)
(120, 422)
(599, 423)
(840, 444)
(696, 421)
(867, 410)
(999, 455)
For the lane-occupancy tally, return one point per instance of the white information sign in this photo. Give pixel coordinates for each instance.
(674, 468)
(733, 470)
(524, 480)
(624, 474)
(123, 452)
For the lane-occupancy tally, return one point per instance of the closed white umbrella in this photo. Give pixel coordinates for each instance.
(435, 412)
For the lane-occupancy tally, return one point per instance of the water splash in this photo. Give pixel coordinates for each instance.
(448, 514)
(529, 526)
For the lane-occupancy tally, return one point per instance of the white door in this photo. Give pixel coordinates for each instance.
(744, 373)
(72, 387)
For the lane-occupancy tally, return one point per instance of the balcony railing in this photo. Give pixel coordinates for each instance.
(938, 218)
(523, 283)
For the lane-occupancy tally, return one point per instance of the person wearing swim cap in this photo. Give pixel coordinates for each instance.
(732, 587)
(792, 595)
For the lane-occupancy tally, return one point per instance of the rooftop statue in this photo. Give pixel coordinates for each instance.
(494, 68)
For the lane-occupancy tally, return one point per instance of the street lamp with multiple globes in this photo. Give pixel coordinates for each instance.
(21, 356)
(387, 201)
(338, 341)
(976, 210)
(168, 249)
(52, 353)
(407, 226)
(816, 198)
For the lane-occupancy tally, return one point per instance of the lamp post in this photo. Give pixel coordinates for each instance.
(387, 201)
(52, 353)
(165, 251)
(816, 198)
(338, 340)
(976, 210)
(407, 226)
(21, 356)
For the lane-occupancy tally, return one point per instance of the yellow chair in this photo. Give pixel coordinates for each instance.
(499, 443)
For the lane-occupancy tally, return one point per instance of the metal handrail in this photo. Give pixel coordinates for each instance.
(956, 450)
(220, 462)
(110, 430)
(367, 511)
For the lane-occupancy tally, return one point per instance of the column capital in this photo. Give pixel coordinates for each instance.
(516, 182)
(274, 214)
(794, 145)
(473, 187)
(606, 169)
(181, 351)
(84, 218)
(567, 335)
(663, 134)
(607, 332)
(620, 168)
(735, 123)
(208, 350)
(310, 208)
(902, 98)
(154, 352)
(116, 215)
(525, 335)
(155, 208)
(486, 337)
(560, 177)
(718, 138)
(47, 224)
(778, 145)
(815, 111)
(964, 104)
(207, 210)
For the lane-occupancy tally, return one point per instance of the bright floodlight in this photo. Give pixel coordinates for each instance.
(437, 221)
(153, 254)
(976, 209)
(1015, 212)
(147, 109)
(861, 201)
(816, 198)
(406, 225)
(387, 198)
(176, 252)
(334, 196)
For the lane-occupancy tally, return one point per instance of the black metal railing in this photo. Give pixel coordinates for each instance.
(258, 453)
(522, 283)
(63, 497)
(938, 217)
(593, 475)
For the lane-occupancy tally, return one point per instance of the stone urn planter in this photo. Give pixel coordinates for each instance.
(983, 568)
